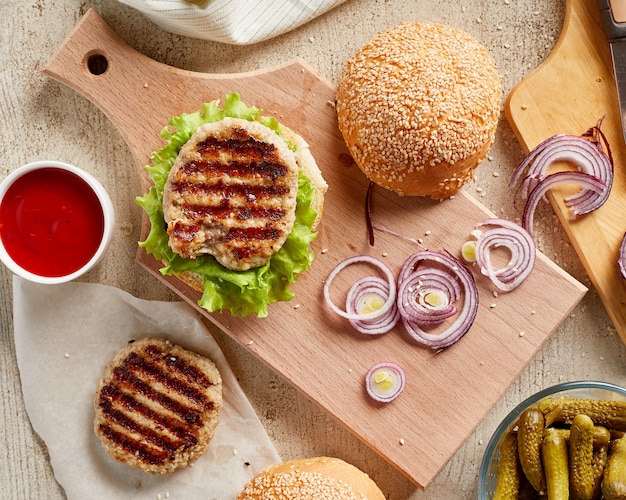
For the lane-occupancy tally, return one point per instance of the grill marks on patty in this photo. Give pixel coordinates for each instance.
(231, 193)
(157, 406)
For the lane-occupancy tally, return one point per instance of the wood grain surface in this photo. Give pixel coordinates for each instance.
(301, 340)
(568, 93)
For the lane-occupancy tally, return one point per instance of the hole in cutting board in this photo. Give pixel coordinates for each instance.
(97, 64)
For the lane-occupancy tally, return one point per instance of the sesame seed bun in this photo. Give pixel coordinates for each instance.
(317, 478)
(418, 107)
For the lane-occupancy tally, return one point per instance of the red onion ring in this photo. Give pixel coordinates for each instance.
(459, 280)
(517, 240)
(578, 207)
(584, 152)
(352, 314)
(621, 262)
(362, 289)
(377, 391)
(413, 289)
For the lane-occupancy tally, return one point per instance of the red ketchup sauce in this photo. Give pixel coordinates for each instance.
(51, 222)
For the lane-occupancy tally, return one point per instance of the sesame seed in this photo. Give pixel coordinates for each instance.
(298, 483)
(401, 441)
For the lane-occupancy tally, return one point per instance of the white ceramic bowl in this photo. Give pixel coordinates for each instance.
(105, 204)
(488, 477)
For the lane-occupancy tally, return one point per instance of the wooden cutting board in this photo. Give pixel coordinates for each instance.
(568, 93)
(448, 393)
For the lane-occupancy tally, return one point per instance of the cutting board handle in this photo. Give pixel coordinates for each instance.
(138, 94)
(96, 63)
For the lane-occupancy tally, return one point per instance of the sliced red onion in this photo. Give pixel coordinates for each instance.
(622, 257)
(581, 153)
(584, 152)
(434, 267)
(364, 290)
(580, 206)
(385, 381)
(413, 293)
(520, 244)
(372, 283)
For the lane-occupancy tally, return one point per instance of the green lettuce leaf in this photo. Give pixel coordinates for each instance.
(240, 292)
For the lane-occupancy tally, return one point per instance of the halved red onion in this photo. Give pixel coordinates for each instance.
(373, 321)
(385, 381)
(585, 153)
(497, 233)
(622, 257)
(433, 267)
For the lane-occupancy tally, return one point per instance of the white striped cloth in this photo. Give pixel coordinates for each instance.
(238, 22)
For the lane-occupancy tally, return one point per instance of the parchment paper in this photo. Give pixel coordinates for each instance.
(65, 335)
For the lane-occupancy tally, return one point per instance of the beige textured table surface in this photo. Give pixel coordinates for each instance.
(42, 119)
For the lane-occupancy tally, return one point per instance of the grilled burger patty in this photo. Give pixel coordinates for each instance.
(157, 405)
(231, 193)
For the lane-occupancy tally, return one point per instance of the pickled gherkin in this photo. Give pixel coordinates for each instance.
(614, 478)
(581, 473)
(601, 435)
(600, 458)
(509, 472)
(611, 414)
(556, 467)
(531, 425)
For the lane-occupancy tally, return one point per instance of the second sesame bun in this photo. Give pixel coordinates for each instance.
(418, 107)
(312, 478)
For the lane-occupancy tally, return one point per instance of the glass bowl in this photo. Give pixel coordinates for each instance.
(488, 476)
